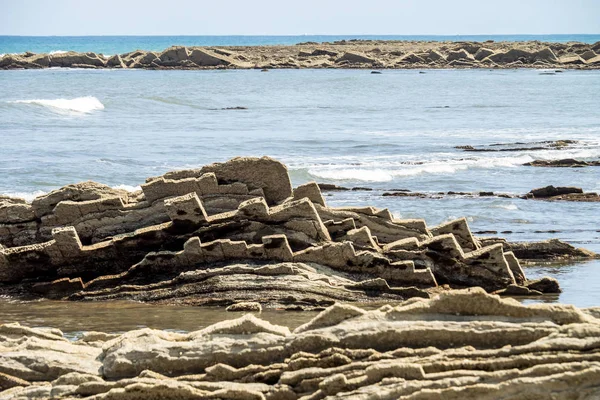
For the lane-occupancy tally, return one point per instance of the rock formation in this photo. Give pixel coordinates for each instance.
(231, 232)
(341, 54)
(563, 163)
(459, 345)
(562, 193)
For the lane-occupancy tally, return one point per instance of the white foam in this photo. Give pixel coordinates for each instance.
(83, 105)
(27, 196)
(128, 188)
(506, 206)
(53, 52)
(372, 171)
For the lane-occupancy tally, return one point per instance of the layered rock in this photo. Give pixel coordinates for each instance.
(230, 232)
(341, 54)
(460, 345)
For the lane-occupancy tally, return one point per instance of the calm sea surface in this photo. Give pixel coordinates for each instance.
(122, 44)
(396, 130)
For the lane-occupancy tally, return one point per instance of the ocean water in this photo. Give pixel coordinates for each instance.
(122, 44)
(396, 130)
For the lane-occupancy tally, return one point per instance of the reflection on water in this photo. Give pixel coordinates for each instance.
(580, 283)
(120, 316)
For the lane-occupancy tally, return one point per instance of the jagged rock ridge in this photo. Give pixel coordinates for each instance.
(230, 232)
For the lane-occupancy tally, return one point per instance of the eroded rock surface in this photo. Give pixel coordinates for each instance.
(234, 232)
(459, 345)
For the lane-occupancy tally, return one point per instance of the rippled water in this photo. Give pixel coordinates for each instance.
(396, 130)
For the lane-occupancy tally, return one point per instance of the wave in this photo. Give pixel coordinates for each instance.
(27, 196)
(128, 188)
(81, 105)
(57, 52)
(373, 172)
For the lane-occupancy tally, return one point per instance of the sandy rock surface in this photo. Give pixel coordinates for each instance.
(464, 344)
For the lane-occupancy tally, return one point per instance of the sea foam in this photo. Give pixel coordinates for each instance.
(84, 105)
(27, 196)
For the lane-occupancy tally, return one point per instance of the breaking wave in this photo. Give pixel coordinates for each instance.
(81, 105)
(27, 196)
(386, 169)
(128, 188)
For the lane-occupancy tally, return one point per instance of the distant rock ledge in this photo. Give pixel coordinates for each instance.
(365, 54)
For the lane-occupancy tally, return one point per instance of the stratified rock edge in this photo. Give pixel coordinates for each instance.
(237, 232)
(464, 344)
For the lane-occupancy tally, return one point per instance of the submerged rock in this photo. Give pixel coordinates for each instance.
(567, 162)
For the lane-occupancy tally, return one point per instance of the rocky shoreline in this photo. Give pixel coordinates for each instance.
(238, 232)
(238, 235)
(366, 54)
(464, 344)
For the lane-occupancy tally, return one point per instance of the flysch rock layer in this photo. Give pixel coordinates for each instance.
(464, 344)
(371, 54)
(237, 232)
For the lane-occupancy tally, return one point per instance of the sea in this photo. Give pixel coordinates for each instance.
(109, 45)
(396, 130)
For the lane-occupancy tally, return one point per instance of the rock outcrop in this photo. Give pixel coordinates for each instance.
(341, 54)
(563, 163)
(459, 345)
(232, 232)
(562, 193)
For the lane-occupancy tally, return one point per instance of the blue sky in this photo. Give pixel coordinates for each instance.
(281, 17)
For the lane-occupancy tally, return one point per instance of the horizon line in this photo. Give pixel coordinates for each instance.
(310, 34)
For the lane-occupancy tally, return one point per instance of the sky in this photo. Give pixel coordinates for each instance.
(284, 17)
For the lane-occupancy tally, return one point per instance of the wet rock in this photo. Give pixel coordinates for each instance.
(246, 306)
(567, 162)
(331, 187)
(552, 249)
(544, 285)
(551, 191)
(516, 290)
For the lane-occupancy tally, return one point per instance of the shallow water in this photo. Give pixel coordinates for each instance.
(122, 44)
(122, 316)
(349, 127)
(580, 283)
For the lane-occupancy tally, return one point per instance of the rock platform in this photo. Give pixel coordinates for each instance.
(459, 345)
